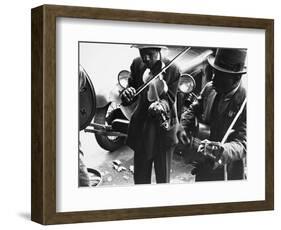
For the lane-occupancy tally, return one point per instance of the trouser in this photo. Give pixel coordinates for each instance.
(162, 165)
(210, 175)
(205, 172)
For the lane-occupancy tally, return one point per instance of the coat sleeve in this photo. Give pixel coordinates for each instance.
(193, 112)
(132, 82)
(133, 76)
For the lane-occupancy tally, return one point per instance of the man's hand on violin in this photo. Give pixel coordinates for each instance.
(127, 95)
(211, 149)
(188, 119)
(156, 108)
(183, 137)
(159, 111)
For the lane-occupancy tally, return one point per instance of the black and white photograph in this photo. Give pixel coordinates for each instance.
(145, 114)
(157, 113)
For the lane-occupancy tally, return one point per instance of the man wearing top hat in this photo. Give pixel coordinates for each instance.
(217, 106)
(152, 129)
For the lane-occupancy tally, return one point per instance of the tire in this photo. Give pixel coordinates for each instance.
(109, 143)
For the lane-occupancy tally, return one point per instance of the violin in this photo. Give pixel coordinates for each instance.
(196, 139)
(146, 84)
(159, 87)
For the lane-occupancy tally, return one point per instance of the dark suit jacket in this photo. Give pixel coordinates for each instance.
(235, 146)
(139, 134)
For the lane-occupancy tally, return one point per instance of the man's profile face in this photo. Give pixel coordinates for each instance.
(225, 82)
(150, 56)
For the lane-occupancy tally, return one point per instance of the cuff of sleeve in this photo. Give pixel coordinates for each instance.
(225, 158)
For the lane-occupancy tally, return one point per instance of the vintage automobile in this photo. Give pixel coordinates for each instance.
(109, 120)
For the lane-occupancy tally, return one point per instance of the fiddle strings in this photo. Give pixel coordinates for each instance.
(141, 88)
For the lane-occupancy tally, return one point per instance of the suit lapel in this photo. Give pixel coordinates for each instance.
(233, 106)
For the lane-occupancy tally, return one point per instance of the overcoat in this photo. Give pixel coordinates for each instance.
(140, 136)
(219, 117)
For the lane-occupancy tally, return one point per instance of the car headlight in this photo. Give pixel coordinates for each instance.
(187, 83)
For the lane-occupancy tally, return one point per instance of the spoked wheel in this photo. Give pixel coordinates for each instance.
(105, 116)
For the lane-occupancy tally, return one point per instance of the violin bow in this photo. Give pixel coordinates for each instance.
(227, 134)
(140, 89)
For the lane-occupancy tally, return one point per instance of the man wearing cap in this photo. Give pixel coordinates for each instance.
(152, 129)
(217, 106)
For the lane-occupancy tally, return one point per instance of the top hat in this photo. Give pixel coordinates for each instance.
(149, 46)
(229, 60)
